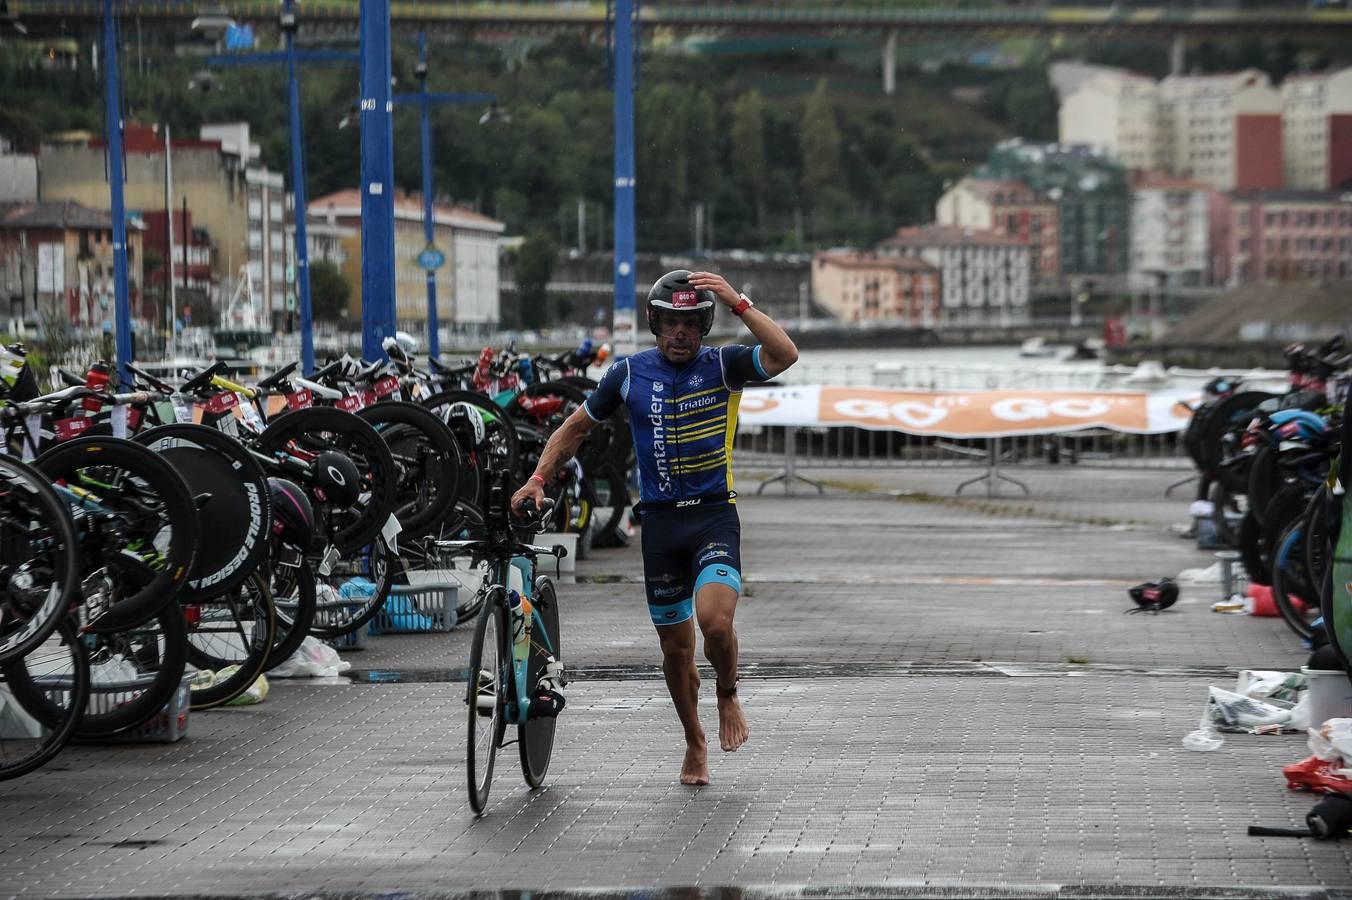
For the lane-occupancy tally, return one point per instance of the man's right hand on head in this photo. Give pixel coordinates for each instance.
(533, 489)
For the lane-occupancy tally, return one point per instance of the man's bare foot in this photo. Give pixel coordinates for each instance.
(732, 730)
(695, 768)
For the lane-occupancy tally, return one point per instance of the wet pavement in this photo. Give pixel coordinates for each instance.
(945, 700)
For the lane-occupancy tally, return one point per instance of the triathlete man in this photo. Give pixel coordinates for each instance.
(682, 401)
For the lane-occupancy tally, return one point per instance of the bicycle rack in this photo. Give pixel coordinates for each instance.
(789, 474)
(993, 476)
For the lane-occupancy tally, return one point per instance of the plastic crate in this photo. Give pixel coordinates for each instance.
(1208, 537)
(168, 725)
(327, 613)
(418, 609)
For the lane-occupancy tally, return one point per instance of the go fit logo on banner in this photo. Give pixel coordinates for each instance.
(981, 413)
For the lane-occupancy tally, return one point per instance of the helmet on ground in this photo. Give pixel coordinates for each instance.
(293, 518)
(673, 293)
(337, 480)
(1153, 596)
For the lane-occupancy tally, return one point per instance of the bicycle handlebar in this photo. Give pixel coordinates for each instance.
(276, 378)
(149, 379)
(203, 378)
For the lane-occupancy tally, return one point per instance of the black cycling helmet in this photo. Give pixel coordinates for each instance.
(293, 518)
(672, 292)
(1153, 596)
(337, 480)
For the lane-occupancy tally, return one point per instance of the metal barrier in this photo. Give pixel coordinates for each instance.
(795, 449)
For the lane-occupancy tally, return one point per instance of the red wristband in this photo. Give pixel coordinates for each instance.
(536, 477)
(741, 307)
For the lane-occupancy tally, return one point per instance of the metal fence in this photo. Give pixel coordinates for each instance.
(794, 450)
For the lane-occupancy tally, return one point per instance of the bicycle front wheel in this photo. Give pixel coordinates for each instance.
(235, 630)
(39, 559)
(536, 736)
(60, 666)
(486, 697)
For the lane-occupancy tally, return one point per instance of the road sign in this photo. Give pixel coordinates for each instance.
(431, 258)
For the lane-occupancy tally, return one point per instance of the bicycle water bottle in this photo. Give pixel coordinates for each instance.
(519, 609)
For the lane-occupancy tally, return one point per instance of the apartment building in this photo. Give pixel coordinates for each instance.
(1092, 197)
(985, 278)
(1170, 229)
(1009, 208)
(242, 206)
(1317, 131)
(467, 287)
(1281, 236)
(56, 259)
(1118, 114)
(1222, 130)
(865, 287)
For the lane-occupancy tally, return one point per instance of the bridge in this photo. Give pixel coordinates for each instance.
(887, 23)
(47, 16)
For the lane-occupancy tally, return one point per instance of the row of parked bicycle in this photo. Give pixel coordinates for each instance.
(1269, 469)
(197, 521)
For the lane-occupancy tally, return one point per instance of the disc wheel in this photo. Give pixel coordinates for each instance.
(499, 450)
(486, 698)
(536, 736)
(231, 496)
(301, 435)
(427, 461)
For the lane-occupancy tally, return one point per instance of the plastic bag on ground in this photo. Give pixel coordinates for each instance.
(312, 659)
(1266, 685)
(1235, 712)
(1332, 740)
(1209, 575)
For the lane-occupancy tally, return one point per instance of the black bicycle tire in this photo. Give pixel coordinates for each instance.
(53, 513)
(59, 735)
(254, 661)
(65, 458)
(478, 793)
(1281, 595)
(133, 713)
(1264, 480)
(1287, 505)
(293, 625)
(536, 736)
(471, 471)
(318, 420)
(1253, 551)
(252, 538)
(443, 445)
(1319, 516)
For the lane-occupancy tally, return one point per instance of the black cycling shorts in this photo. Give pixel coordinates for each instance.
(685, 549)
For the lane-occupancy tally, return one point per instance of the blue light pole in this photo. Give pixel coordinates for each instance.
(112, 126)
(623, 61)
(431, 259)
(290, 57)
(377, 180)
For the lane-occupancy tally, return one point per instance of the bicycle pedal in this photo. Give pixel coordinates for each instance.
(546, 704)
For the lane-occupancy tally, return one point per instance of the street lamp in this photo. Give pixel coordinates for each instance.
(431, 258)
(287, 23)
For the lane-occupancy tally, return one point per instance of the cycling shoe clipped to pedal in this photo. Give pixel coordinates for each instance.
(1154, 596)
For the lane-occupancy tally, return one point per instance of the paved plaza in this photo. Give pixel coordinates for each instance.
(945, 700)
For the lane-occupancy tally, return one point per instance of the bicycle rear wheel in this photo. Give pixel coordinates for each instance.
(427, 458)
(137, 522)
(60, 666)
(232, 502)
(236, 629)
(39, 558)
(293, 594)
(536, 736)
(486, 697)
(1290, 581)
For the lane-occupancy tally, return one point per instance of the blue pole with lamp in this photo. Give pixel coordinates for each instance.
(112, 126)
(622, 65)
(431, 258)
(290, 57)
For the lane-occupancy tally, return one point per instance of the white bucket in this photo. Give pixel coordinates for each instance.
(1330, 695)
(569, 541)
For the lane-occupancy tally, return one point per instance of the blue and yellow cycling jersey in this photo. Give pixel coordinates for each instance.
(683, 417)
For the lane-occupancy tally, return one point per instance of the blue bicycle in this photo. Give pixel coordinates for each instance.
(515, 673)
